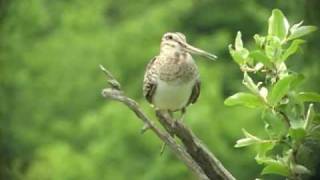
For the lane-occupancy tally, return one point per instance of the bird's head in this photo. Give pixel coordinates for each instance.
(176, 42)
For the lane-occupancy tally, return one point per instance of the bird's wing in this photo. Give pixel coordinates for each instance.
(149, 81)
(195, 92)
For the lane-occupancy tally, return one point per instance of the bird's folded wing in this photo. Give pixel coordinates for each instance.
(149, 81)
(195, 92)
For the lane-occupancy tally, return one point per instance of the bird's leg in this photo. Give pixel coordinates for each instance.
(182, 115)
(163, 147)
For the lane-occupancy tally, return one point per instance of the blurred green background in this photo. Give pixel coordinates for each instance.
(56, 126)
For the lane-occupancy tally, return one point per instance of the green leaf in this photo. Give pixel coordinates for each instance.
(265, 160)
(273, 48)
(280, 89)
(278, 25)
(300, 169)
(238, 43)
(295, 26)
(260, 57)
(297, 123)
(297, 80)
(297, 133)
(245, 142)
(309, 97)
(248, 82)
(244, 99)
(248, 140)
(248, 135)
(292, 49)
(260, 40)
(239, 56)
(264, 147)
(276, 168)
(296, 31)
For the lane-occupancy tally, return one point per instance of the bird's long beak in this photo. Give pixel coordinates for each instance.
(197, 51)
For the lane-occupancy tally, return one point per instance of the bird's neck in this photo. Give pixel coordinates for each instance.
(173, 54)
(171, 49)
(177, 67)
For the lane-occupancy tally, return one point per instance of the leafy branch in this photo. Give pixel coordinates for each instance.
(276, 96)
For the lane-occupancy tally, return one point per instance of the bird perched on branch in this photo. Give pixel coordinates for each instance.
(171, 81)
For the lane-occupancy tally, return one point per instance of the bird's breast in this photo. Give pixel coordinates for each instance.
(178, 69)
(169, 96)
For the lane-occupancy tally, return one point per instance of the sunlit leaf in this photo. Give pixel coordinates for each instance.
(273, 48)
(295, 26)
(248, 82)
(309, 97)
(259, 56)
(238, 43)
(292, 49)
(276, 168)
(239, 56)
(245, 142)
(300, 169)
(265, 160)
(248, 135)
(260, 40)
(296, 32)
(263, 93)
(280, 89)
(263, 148)
(248, 140)
(244, 99)
(278, 24)
(297, 133)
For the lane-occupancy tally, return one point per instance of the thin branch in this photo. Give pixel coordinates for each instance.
(193, 153)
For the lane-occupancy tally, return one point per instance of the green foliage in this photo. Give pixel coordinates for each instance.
(277, 95)
(297, 30)
(280, 89)
(278, 25)
(245, 99)
(309, 97)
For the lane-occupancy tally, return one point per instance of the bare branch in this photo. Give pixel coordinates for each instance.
(198, 151)
(111, 80)
(194, 154)
(164, 136)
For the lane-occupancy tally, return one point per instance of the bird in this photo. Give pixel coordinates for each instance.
(171, 80)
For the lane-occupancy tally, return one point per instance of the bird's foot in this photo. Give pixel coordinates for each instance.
(176, 121)
(180, 119)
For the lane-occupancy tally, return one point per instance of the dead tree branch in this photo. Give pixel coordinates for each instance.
(193, 153)
(197, 150)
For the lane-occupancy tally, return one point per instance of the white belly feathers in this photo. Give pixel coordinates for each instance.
(173, 96)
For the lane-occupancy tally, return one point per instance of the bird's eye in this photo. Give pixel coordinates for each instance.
(169, 37)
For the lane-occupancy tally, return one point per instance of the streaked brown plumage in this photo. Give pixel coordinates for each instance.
(171, 80)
